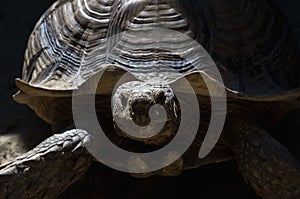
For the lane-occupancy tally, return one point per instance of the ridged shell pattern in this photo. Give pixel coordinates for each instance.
(248, 39)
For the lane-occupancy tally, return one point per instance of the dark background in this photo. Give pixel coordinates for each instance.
(17, 19)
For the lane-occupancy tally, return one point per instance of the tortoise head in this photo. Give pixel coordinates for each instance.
(146, 111)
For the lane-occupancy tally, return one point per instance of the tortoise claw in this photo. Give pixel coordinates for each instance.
(48, 169)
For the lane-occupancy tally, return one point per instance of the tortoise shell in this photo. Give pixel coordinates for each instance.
(250, 42)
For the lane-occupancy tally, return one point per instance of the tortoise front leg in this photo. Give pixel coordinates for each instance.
(48, 169)
(266, 164)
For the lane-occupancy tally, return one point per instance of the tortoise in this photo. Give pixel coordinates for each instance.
(254, 50)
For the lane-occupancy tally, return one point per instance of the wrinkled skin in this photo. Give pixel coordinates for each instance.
(132, 102)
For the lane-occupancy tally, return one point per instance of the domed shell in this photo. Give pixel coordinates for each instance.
(249, 40)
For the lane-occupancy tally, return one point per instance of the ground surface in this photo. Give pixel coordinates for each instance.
(21, 130)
